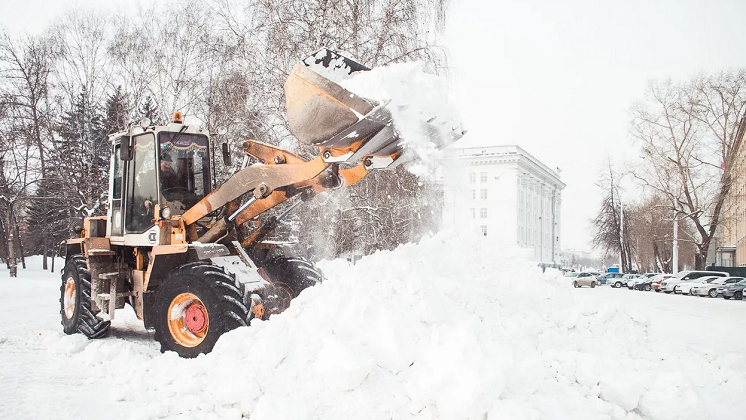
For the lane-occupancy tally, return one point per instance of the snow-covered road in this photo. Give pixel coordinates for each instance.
(715, 325)
(406, 334)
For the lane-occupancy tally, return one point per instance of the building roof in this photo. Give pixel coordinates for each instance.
(503, 153)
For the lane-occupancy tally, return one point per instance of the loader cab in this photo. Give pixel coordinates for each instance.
(166, 167)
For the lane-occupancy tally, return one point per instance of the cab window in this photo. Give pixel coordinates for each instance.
(141, 189)
(184, 170)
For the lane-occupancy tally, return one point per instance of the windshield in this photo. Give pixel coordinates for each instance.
(184, 169)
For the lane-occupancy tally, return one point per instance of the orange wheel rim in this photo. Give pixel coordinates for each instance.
(69, 299)
(188, 320)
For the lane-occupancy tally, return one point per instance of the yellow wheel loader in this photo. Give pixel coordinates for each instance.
(172, 247)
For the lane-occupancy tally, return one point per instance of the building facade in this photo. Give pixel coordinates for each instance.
(509, 194)
(731, 252)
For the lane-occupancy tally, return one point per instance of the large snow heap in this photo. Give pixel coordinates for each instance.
(455, 327)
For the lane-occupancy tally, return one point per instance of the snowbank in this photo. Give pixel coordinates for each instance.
(454, 327)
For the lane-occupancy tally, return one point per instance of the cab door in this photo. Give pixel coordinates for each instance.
(141, 192)
(117, 185)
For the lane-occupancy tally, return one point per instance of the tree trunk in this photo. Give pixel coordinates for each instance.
(44, 252)
(18, 241)
(4, 243)
(12, 264)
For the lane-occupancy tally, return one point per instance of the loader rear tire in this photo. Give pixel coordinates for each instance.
(195, 305)
(75, 301)
(289, 276)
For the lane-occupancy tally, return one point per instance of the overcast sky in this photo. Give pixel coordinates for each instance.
(554, 77)
(558, 77)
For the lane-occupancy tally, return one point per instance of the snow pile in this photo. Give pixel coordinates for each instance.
(455, 327)
(422, 112)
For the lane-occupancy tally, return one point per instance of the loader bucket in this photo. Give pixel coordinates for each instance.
(346, 126)
(317, 107)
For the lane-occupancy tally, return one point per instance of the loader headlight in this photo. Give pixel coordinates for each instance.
(165, 212)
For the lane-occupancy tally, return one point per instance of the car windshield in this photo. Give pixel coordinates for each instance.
(571, 274)
(741, 283)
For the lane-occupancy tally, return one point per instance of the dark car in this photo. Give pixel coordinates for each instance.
(646, 284)
(608, 277)
(733, 290)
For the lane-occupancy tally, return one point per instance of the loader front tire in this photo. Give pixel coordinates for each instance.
(195, 305)
(75, 301)
(289, 277)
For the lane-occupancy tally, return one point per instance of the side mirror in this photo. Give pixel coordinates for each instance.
(125, 150)
(226, 155)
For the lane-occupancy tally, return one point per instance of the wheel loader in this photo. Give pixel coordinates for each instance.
(194, 261)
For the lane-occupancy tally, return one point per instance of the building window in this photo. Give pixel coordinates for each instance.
(473, 194)
(482, 213)
(483, 194)
(483, 177)
(484, 230)
(473, 213)
(472, 177)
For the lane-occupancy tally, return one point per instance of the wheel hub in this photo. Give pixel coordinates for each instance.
(188, 320)
(196, 318)
(69, 299)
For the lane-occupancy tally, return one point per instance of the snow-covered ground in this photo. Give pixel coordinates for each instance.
(455, 327)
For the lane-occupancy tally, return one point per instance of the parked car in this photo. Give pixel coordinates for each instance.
(584, 279)
(620, 281)
(655, 282)
(648, 281)
(685, 287)
(711, 289)
(625, 279)
(609, 278)
(733, 290)
(668, 284)
(642, 278)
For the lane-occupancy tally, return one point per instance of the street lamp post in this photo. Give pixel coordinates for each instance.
(675, 247)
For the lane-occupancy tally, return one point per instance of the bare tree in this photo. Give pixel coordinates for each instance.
(26, 124)
(651, 227)
(25, 70)
(689, 143)
(611, 225)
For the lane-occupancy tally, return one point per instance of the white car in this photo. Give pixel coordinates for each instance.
(711, 289)
(685, 286)
(585, 279)
(629, 278)
(655, 282)
(667, 285)
(642, 278)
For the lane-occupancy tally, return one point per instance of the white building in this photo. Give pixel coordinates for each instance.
(508, 193)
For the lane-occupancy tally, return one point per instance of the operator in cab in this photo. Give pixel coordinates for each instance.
(169, 179)
(174, 186)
